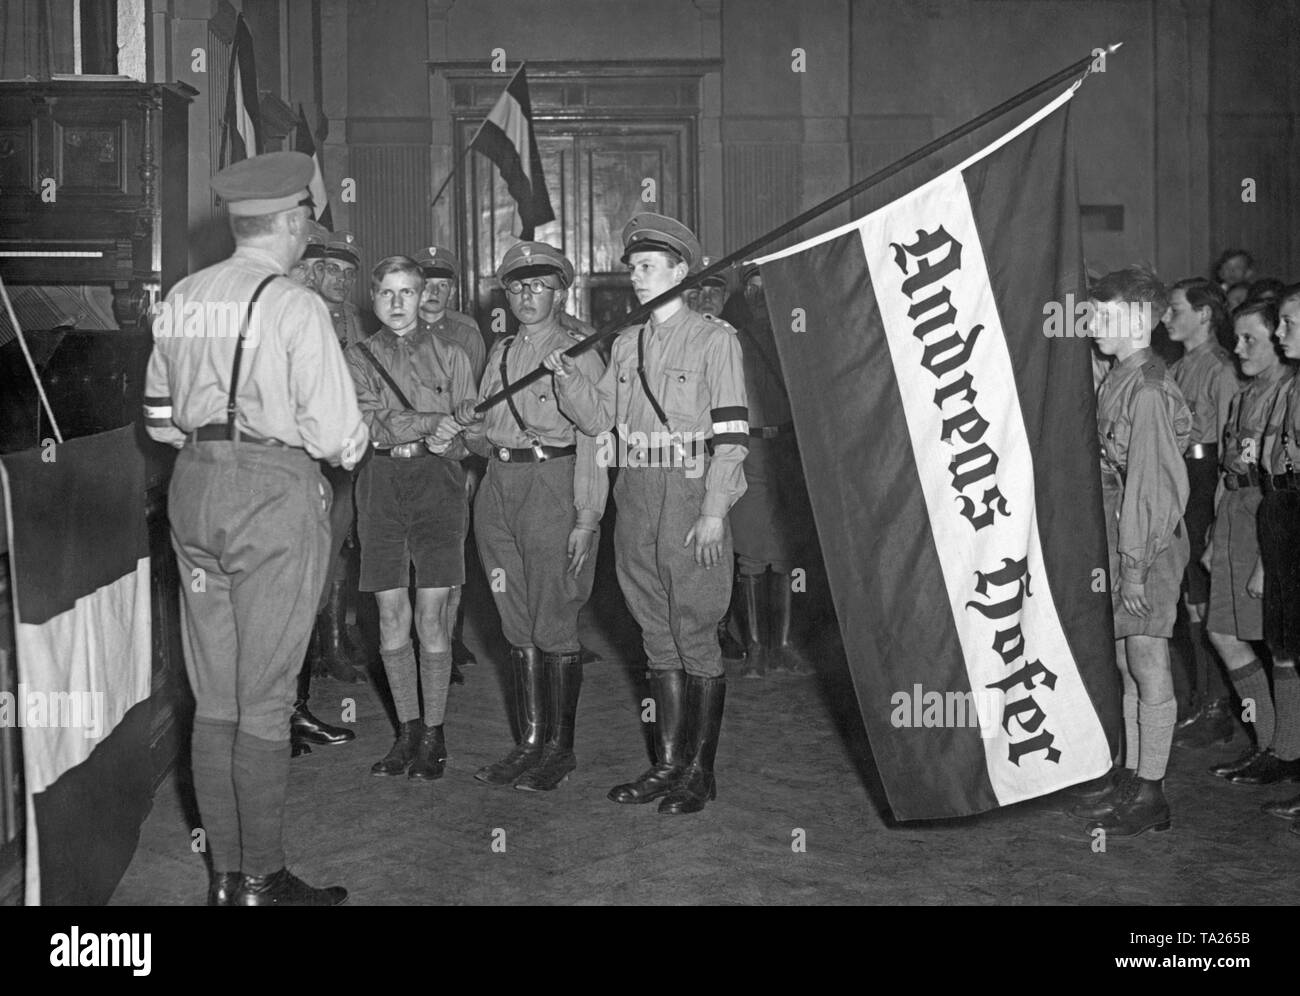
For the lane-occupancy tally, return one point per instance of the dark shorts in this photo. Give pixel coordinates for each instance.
(1236, 546)
(1279, 546)
(1202, 479)
(1163, 577)
(411, 512)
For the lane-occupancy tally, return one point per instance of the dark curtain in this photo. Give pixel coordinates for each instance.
(99, 37)
(36, 38)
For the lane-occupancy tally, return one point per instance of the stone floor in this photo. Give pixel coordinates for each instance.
(793, 764)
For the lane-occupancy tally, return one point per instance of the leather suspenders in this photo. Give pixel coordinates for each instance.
(232, 405)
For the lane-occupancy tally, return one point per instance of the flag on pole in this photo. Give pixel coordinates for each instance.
(305, 142)
(949, 441)
(507, 139)
(241, 131)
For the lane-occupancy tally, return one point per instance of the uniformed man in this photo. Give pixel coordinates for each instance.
(1143, 425)
(411, 506)
(708, 297)
(537, 518)
(772, 521)
(252, 409)
(1279, 543)
(1236, 617)
(441, 270)
(307, 271)
(1207, 378)
(338, 277)
(673, 390)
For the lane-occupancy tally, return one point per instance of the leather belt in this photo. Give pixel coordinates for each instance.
(1236, 482)
(529, 455)
(1280, 482)
(403, 451)
(219, 432)
(771, 431)
(1202, 451)
(664, 456)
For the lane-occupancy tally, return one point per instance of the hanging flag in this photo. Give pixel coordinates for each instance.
(305, 142)
(241, 131)
(507, 138)
(949, 441)
(79, 559)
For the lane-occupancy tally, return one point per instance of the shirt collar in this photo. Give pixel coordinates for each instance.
(677, 318)
(258, 256)
(1136, 359)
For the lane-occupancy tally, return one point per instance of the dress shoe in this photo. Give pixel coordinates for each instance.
(402, 753)
(430, 759)
(1100, 805)
(705, 698)
(305, 728)
(1287, 809)
(1142, 807)
(753, 598)
(529, 675)
(668, 690)
(564, 683)
(1210, 724)
(283, 888)
(1267, 769)
(1228, 768)
(787, 656)
(223, 887)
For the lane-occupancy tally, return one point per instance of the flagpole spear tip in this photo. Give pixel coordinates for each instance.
(1112, 49)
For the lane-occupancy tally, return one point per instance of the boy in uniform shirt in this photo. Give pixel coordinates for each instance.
(1143, 424)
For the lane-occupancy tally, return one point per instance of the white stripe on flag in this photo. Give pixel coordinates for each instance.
(509, 117)
(317, 186)
(1020, 129)
(243, 121)
(966, 552)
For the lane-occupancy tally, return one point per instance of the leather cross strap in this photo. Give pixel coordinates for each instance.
(645, 381)
(505, 379)
(392, 384)
(232, 404)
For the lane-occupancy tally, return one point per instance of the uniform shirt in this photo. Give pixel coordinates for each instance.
(542, 413)
(433, 374)
(1144, 425)
(694, 366)
(459, 328)
(1248, 433)
(1281, 451)
(293, 381)
(764, 388)
(1208, 381)
(347, 322)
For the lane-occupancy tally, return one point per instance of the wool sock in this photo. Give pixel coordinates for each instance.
(1286, 699)
(1156, 732)
(212, 754)
(261, 781)
(435, 677)
(1251, 684)
(399, 665)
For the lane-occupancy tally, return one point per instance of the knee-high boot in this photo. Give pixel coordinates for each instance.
(563, 684)
(704, 701)
(668, 689)
(530, 684)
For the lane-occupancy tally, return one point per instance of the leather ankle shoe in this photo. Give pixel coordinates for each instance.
(305, 727)
(223, 887)
(1229, 768)
(1267, 769)
(283, 888)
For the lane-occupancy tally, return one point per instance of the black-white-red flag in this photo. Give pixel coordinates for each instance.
(305, 142)
(241, 131)
(948, 433)
(507, 139)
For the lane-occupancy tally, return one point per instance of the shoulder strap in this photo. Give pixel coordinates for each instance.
(505, 379)
(232, 405)
(392, 384)
(645, 381)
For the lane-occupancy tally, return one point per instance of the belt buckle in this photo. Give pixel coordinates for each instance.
(503, 453)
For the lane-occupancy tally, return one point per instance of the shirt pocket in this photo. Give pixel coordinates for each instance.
(1114, 440)
(684, 396)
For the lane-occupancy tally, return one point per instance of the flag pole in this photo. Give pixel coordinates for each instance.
(643, 312)
(470, 147)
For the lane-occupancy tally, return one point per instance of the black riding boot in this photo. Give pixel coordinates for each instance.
(331, 625)
(753, 592)
(305, 729)
(530, 682)
(704, 701)
(668, 690)
(786, 655)
(564, 682)
(733, 651)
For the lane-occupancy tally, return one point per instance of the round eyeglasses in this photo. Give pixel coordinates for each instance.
(535, 286)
